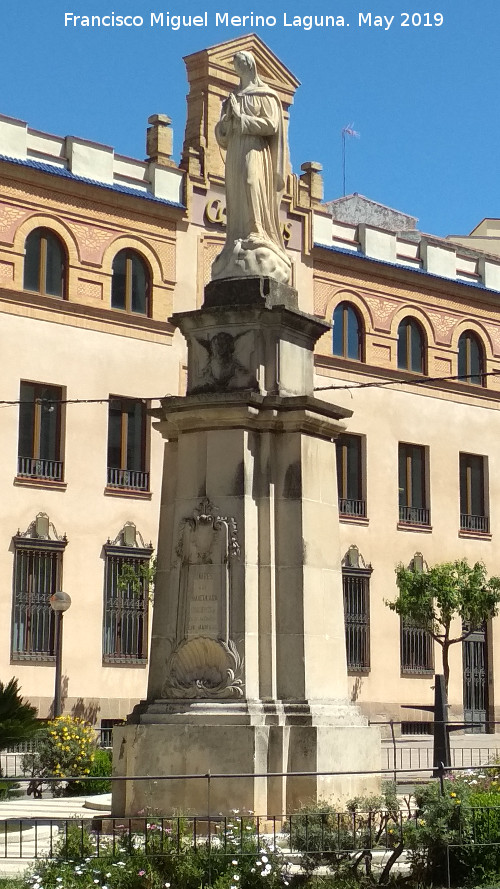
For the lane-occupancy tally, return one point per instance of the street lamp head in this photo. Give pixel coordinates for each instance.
(60, 601)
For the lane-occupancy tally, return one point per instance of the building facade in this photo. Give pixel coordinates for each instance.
(97, 251)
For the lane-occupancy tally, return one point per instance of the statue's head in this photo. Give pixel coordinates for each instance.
(244, 63)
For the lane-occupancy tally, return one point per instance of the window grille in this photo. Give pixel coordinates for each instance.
(356, 586)
(126, 607)
(38, 554)
(417, 648)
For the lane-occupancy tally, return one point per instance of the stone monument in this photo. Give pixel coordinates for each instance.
(248, 667)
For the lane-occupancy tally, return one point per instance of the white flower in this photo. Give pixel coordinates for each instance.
(264, 859)
(234, 862)
(167, 885)
(235, 877)
(252, 871)
(58, 879)
(96, 881)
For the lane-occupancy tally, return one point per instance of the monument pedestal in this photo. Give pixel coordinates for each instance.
(248, 667)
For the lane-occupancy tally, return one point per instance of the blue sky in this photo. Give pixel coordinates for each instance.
(424, 99)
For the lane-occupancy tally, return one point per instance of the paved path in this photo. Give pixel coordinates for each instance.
(20, 850)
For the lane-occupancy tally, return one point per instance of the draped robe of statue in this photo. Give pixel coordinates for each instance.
(255, 174)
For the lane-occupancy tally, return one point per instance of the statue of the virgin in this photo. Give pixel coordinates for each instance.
(251, 130)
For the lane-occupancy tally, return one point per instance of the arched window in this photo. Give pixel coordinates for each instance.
(347, 332)
(471, 359)
(411, 346)
(130, 287)
(44, 263)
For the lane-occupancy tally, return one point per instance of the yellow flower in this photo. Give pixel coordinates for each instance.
(452, 794)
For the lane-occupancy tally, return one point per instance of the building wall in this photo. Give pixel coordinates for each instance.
(174, 217)
(91, 351)
(446, 417)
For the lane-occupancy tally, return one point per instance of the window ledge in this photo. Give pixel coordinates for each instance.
(26, 481)
(353, 519)
(413, 526)
(20, 658)
(478, 535)
(127, 492)
(124, 662)
(358, 671)
(416, 674)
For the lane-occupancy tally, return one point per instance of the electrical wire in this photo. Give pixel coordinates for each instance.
(420, 381)
(405, 381)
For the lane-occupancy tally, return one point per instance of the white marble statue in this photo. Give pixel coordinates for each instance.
(251, 130)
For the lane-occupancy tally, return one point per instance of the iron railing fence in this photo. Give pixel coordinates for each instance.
(479, 523)
(350, 507)
(407, 758)
(414, 515)
(310, 834)
(128, 478)
(33, 467)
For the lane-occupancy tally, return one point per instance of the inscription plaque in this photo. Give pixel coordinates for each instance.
(205, 662)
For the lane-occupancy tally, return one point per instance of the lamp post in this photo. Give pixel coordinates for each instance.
(59, 602)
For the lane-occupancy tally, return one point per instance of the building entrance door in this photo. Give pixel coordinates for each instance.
(475, 680)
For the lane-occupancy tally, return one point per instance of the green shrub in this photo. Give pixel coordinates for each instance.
(65, 748)
(101, 768)
(456, 830)
(339, 839)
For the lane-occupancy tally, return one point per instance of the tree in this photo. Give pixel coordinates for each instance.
(18, 719)
(435, 597)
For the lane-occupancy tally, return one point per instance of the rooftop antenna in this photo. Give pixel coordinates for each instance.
(346, 131)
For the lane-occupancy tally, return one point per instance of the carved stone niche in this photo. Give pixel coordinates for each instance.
(205, 662)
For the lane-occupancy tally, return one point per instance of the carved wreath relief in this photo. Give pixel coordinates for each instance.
(205, 661)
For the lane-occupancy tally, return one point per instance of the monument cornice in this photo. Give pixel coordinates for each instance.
(179, 415)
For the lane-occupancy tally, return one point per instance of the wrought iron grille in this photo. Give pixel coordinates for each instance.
(357, 619)
(417, 649)
(479, 523)
(414, 515)
(348, 506)
(36, 576)
(31, 467)
(128, 478)
(125, 610)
